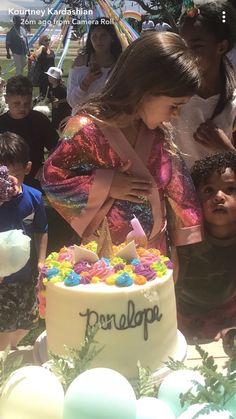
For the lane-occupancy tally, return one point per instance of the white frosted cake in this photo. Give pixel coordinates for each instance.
(131, 295)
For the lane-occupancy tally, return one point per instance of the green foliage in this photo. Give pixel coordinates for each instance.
(145, 385)
(8, 365)
(208, 409)
(218, 387)
(77, 360)
(175, 365)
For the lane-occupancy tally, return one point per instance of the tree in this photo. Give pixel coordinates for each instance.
(167, 9)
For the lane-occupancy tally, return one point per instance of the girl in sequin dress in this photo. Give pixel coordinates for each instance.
(116, 158)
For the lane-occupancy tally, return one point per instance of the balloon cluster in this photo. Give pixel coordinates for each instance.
(34, 392)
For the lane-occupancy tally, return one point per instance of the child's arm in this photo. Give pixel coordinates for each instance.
(41, 241)
(186, 215)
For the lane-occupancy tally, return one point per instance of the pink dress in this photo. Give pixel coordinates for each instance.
(78, 176)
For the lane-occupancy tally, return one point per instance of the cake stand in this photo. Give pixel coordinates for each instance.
(40, 354)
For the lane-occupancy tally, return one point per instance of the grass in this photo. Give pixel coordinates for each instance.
(5, 64)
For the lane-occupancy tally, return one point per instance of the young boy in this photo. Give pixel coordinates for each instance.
(206, 286)
(25, 211)
(57, 95)
(33, 126)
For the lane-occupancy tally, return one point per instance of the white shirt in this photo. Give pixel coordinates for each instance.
(147, 25)
(75, 95)
(162, 27)
(194, 113)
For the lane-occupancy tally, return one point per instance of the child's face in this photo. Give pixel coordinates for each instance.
(218, 199)
(101, 40)
(19, 106)
(204, 45)
(52, 80)
(154, 110)
(19, 171)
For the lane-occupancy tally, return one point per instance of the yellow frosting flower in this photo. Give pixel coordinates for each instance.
(95, 279)
(91, 246)
(141, 251)
(56, 278)
(116, 260)
(154, 252)
(110, 280)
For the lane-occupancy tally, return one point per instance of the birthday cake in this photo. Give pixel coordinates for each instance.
(131, 295)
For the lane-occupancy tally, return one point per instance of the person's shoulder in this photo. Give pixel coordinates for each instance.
(78, 123)
(11, 30)
(80, 60)
(38, 116)
(31, 192)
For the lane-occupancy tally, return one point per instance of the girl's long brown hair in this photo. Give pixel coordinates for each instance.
(155, 63)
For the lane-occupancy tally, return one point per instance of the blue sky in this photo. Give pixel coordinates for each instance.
(39, 6)
(34, 4)
(22, 4)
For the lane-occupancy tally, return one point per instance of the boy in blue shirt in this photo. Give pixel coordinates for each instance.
(25, 211)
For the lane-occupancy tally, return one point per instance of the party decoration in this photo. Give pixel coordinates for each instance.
(100, 393)
(178, 382)
(81, 253)
(14, 250)
(137, 234)
(206, 411)
(128, 252)
(32, 393)
(151, 408)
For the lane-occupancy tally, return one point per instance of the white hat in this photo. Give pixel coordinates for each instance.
(54, 72)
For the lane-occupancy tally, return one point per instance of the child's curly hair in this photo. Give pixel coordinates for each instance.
(204, 168)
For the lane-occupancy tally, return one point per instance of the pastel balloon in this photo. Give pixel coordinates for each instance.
(205, 410)
(151, 408)
(32, 393)
(175, 383)
(100, 393)
(231, 404)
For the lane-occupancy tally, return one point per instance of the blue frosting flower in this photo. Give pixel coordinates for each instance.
(52, 272)
(135, 262)
(124, 280)
(106, 260)
(72, 279)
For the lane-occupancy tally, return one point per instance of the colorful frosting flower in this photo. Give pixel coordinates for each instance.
(101, 269)
(124, 280)
(81, 266)
(145, 270)
(72, 279)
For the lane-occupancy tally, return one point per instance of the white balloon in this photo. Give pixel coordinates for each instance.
(151, 408)
(32, 393)
(100, 393)
(214, 413)
(175, 383)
